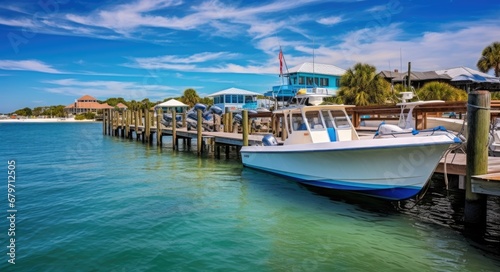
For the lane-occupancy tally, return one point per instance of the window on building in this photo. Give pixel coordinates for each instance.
(337, 82)
(324, 82)
(301, 80)
(309, 81)
(240, 99)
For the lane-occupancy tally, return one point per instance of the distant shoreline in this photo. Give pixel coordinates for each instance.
(46, 120)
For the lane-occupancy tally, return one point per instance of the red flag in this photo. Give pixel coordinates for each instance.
(280, 57)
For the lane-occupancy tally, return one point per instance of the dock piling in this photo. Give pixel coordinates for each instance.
(245, 127)
(174, 130)
(478, 120)
(199, 134)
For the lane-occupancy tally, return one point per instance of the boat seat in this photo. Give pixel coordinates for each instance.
(302, 127)
(332, 134)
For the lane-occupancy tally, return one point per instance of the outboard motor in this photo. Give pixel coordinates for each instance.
(207, 115)
(237, 118)
(199, 106)
(216, 110)
(269, 140)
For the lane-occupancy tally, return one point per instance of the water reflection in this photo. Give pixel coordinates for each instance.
(438, 207)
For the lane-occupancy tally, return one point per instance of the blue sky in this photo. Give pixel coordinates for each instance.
(52, 52)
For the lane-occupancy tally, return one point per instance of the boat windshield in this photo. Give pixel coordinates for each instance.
(335, 119)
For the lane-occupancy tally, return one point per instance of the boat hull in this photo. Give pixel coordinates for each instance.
(393, 169)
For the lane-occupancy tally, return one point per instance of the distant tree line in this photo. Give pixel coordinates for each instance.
(190, 97)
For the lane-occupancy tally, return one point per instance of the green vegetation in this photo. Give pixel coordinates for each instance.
(113, 101)
(85, 116)
(362, 86)
(190, 97)
(490, 59)
(441, 91)
(54, 111)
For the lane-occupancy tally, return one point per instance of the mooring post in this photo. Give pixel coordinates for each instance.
(478, 123)
(123, 125)
(184, 118)
(230, 128)
(159, 131)
(174, 130)
(136, 125)
(103, 122)
(127, 123)
(146, 132)
(199, 139)
(244, 123)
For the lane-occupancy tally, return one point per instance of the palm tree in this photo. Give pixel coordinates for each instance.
(490, 59)
(361, 86)
(190, 97)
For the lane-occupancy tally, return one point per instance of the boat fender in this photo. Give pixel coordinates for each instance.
(415, 132)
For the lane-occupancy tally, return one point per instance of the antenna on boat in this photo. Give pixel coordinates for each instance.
(313, 66)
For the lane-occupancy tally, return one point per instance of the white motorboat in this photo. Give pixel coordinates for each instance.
(323, 149)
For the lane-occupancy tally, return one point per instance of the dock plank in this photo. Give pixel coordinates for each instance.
(456, 164)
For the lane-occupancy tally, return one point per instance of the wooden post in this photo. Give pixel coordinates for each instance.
(174, 130)
(123, 125)
(114, 123)
(141, 123)
(244, 123)
(136, 124)
(127, 123)
(478, 123)
(110, 122)
(103, 122)
(199, 138)
(184, 118)
(230, 122)
(146, 125)
(224, 122)
(217, 122)
(159, 131)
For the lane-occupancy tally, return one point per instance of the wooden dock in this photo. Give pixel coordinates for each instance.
(143, 125)
(455, 165)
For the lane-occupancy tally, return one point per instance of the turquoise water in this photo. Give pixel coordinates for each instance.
(88, 202)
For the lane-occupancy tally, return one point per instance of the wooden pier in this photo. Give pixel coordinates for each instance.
(143, 125)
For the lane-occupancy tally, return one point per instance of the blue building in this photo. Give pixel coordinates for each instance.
(235, 99)
(307, 76)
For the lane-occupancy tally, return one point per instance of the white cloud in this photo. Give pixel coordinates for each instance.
(430, 51)
(28, 65)
(102, 88)
(329, 21)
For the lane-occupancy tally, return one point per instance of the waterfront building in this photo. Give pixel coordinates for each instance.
(85, 104)
(307, 76)
(464, 78)
(172, 104)
(235, 99)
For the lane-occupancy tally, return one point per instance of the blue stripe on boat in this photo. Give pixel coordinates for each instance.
(389, 192)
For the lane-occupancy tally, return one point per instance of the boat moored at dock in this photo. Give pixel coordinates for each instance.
(323, 149)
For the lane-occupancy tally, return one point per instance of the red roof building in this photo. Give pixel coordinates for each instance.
(85, 104)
